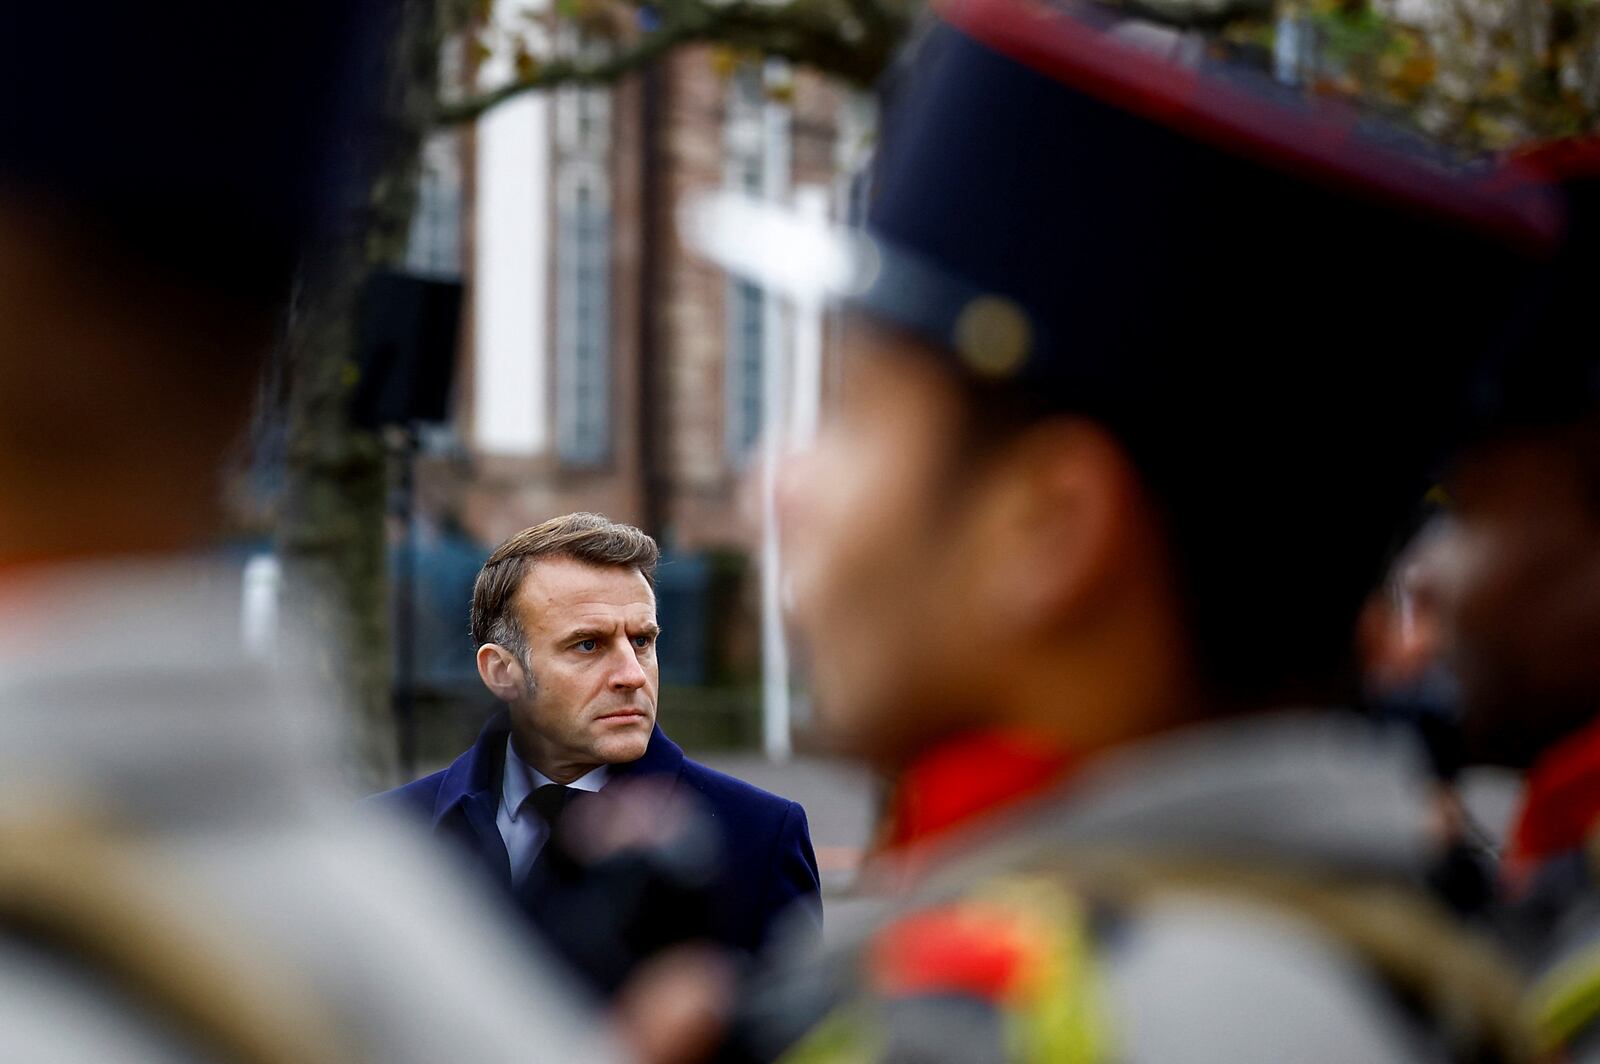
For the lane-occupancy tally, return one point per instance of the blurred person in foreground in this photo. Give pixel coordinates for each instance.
(1407, 682)
(181, 877)
(564, 619)
(1521, 596)
(1142, 372)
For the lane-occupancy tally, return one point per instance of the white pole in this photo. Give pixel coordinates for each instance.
(775, 738)
(811, 202)
(258, 606)
(775, 709)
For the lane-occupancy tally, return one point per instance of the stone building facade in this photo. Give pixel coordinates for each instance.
(602, 366)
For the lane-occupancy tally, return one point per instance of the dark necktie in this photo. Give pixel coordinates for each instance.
(551, 800)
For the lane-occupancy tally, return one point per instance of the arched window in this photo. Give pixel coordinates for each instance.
(583, 276)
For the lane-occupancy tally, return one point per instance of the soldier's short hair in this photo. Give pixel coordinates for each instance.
(1273, 551)
(585, 537)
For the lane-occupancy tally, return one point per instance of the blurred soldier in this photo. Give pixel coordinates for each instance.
(1408, 683)
(1145, 369)
(1522, 598)
(1401, 641)
(181, 878)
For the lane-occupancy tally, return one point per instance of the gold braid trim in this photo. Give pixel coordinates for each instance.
(1458, 978)
(100, 899)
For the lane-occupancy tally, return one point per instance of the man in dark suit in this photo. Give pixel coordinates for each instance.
(564, 618)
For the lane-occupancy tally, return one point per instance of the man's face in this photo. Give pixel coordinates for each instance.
(878, 553)
(591, 635)
(1521, 594)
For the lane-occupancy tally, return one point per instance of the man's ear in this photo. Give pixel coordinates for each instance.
(501, 672)
(1068, 516)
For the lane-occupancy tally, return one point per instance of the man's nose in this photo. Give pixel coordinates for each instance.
(629, 674)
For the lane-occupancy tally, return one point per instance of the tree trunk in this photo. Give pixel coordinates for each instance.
(331, 531)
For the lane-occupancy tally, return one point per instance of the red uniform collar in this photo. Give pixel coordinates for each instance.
(969, 776)
(1561, 805)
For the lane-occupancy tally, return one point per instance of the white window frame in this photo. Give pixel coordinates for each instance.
(583, 364)
(756, 162)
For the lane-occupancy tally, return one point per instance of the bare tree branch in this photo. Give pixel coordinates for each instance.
(837, 39)
(566, 72)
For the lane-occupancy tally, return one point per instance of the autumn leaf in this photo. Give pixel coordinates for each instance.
(527, 67)
(725, 60)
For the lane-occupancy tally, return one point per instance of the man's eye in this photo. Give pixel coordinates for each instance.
(643, 641)
(585, 645)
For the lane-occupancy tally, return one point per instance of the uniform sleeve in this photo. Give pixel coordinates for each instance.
(1203, 982)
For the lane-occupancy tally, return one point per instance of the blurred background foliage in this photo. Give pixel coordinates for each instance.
(1475, 76)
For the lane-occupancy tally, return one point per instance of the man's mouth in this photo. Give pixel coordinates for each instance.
(623, 715)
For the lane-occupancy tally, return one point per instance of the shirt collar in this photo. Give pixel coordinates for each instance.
(967, 777)
(1561, 804)
(1322, 789)
(521, 779)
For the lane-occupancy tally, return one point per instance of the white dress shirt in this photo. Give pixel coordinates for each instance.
(521, 827)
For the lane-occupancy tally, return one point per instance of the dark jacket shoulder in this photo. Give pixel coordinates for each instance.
(419, 795)
(722, 791)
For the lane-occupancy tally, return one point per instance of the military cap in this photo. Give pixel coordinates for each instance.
(207, 141)
(1056, 201)
(1550, 372)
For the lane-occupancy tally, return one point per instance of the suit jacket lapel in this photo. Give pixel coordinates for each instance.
(469, 798)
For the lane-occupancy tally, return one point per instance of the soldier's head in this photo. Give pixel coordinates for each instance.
(1522, 592)
(1142, 371)
(564, 618)
(159, 175)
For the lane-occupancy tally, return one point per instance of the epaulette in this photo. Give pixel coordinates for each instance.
(1005, 972)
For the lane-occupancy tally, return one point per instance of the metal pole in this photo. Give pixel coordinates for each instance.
(811, 202)
(405, 681)
(774, 653)
(776, 713)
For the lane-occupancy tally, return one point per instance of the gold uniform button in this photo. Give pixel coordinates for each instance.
(992, 336)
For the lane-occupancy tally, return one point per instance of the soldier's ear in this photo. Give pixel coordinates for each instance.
(501, 672)
(1073, 522)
